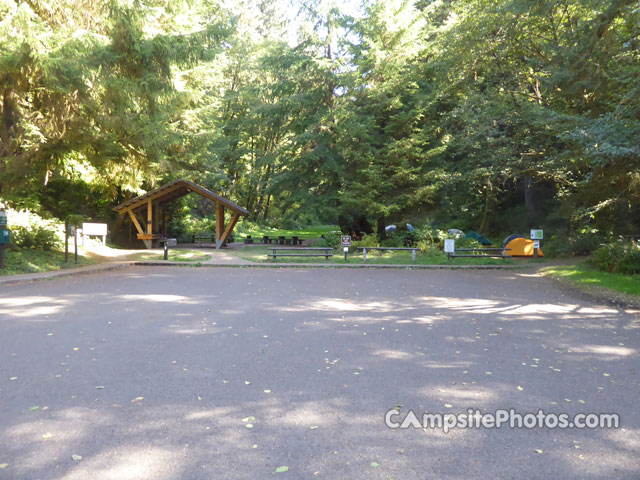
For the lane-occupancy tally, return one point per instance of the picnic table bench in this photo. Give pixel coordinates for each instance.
(208, 238)
(203, 237)
(412, 249)
(313, 252)
(483, 252)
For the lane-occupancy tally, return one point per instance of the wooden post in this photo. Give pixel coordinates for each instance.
(228, 230)
(149, 243)
(66, 241)
(156, 219)
(149, 217)
(219, 223)
(164, 220)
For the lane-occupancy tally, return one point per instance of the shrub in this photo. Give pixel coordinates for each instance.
(467, 243)
(29, 230)
(394, 239)
(578, 243)
(329, 240)
(35, 236)
(368, 240)
(557, 246)
(428, 235)
(618, 257)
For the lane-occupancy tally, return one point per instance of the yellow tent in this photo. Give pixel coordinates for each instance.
(521, 247)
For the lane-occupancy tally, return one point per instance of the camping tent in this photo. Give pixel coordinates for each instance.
(476, 236)
(519, 247)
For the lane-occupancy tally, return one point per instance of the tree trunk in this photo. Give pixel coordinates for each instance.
(487, 203)
(266, 207)
(382, 233)
(529, 199)
(7, 132)
(262, 186)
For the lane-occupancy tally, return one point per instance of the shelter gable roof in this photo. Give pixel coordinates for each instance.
(173, 190)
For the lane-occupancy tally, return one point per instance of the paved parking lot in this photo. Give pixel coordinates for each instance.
(240, 373)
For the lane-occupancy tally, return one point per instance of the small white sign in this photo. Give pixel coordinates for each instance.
(536, 235)
(449, 245)
(536, 244)
(94, 229)
(346, 240)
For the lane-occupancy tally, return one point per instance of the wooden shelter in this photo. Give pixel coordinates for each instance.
(152, 206)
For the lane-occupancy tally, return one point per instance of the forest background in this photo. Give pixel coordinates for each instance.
(496, 116)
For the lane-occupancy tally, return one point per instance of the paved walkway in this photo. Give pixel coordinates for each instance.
(222, 257)
(232, 373)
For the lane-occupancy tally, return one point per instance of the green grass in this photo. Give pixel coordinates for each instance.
(259, 254)
(586, 277)
(33, 261)
(314, 231)
(175, 255)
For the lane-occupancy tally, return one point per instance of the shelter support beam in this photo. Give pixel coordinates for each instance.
(136, 223)
(219, 224)
(228, 230)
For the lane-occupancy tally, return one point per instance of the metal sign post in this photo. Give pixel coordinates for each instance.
(169, 242)
(536, 246)
(75, 243)
(66, 241)
(449, 247)
(5, 236)
(536, 236)
(345, 241)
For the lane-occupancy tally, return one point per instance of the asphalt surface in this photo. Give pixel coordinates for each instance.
(199, 373)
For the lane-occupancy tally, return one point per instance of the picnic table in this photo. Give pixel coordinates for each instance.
(279, 240)
(203, 237)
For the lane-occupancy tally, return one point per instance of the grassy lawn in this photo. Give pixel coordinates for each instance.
(588, 278)
(315, 231)
(259, 254)
(175, 255)
(32, 261)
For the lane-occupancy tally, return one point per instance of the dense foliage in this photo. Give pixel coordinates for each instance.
(495, 116)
